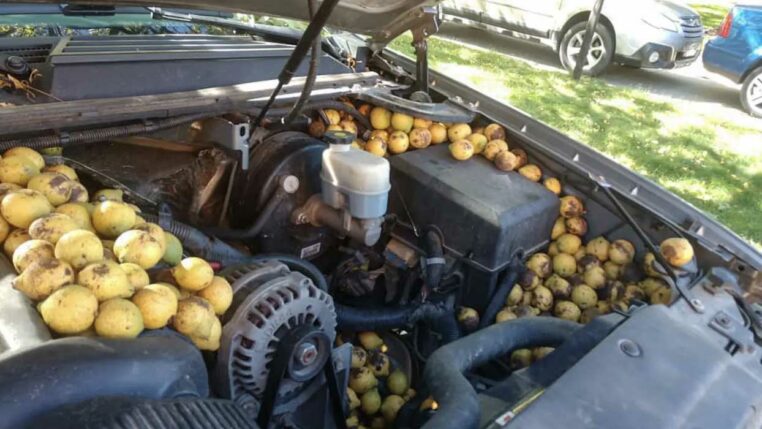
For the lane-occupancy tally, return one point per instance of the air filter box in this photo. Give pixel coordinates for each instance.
(486, 216)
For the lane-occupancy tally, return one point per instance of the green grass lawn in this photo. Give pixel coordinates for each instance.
(713, 164)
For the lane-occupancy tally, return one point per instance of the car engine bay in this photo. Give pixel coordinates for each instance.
(390, 257)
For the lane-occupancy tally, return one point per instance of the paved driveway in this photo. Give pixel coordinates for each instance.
(693, 86)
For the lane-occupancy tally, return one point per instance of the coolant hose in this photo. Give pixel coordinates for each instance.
(372, 319)
(501, 294)
(198, 242)
(435, 262)
(446, 324)
(443, 375)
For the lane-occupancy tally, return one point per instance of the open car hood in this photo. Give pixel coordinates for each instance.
(382, 20)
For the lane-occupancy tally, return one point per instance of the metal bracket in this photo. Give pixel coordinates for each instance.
(733, 330)
(228, 135)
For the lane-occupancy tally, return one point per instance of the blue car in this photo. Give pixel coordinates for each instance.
(736, 53)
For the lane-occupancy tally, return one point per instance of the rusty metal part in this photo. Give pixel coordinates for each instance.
(205, 178)
(204, 193)
(231, 135)
(318, 213)
(401, 252)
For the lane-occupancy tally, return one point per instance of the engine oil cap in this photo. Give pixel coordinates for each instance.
(339, 137)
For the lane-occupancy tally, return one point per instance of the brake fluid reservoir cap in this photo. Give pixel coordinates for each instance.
(339, 140)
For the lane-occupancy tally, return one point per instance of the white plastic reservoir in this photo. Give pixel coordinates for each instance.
(355, 180)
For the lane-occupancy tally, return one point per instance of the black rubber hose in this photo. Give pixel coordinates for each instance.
(300, 51)
(197, 242)
(338, 105)
(365, 319)
(256, 227)
(309, 82)
(446, 325)
(326, 104)
(443, 375)
(371, 319)
(514, 270)
(96, 135)
(439, 316)
(435, 264)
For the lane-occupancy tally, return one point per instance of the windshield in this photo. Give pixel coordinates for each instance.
(46, 25)
(59, 20)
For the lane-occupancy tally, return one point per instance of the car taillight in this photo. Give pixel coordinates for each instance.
(727, 24)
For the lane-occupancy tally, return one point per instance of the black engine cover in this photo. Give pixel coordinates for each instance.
(39, 380)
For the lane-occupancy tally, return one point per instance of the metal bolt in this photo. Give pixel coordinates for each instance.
(14, 61)
(723, 320)
(697, 305)
(306, 353)
(290, 184)
(630, 348)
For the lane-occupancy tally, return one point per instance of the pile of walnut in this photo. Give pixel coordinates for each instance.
(86, 264)
(578, 282)
(394, 133)
(377, 390)
(574, 280)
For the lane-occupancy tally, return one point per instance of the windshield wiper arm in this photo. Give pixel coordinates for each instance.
(269, 32)
(159, 13)
(87, 10)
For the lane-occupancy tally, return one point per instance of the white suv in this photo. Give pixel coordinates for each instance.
(643, 33)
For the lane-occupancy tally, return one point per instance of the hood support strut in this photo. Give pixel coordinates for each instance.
(428, 24)
(300, 51)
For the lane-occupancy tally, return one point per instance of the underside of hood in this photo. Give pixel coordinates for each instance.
(382, 20)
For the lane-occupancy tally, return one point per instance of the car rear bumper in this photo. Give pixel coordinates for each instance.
(720, 57)
(733, 75)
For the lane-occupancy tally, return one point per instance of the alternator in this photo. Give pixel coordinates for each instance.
(270, 304)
